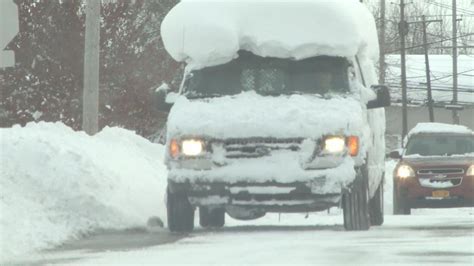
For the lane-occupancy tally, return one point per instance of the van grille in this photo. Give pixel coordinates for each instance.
(259, 147)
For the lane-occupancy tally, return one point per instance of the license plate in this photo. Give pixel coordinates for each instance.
(440, 193)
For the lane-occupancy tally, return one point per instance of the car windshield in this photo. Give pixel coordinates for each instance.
(270, 76)
(439, 145)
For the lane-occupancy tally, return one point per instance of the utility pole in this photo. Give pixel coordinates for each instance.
(382, 43)
(427, 68)
(403, 30)
(90, 102)
(455, 64)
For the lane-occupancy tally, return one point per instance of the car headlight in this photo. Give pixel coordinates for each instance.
(339, 144)
(405, 171)
(187, 147)
(470, 171)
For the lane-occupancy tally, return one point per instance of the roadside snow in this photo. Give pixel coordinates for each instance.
(57, 184)
(284, 29)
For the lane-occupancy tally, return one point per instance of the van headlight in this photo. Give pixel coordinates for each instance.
(341, 144)
(334, 144)
(405, 171)
(192, 147)
(470, 170)
(186, 147)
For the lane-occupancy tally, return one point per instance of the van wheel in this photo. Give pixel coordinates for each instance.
(355, 204)
(376, 206)
(211, 218)
(180, 213)
(399, 205)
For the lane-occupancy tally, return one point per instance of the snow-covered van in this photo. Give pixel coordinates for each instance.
(279, 111)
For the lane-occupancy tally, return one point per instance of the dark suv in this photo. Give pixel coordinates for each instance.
(436, 168)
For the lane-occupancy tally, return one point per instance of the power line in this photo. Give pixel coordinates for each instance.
(446, 6)
(416, 46)
(441, 15)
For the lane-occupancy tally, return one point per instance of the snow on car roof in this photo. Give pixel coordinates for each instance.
(207, 33)
(439, 128)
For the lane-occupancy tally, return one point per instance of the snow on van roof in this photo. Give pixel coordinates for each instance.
(207, 33)
(439, 128)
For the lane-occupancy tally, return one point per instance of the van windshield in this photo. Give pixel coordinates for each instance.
(269, 76)
(439, 145)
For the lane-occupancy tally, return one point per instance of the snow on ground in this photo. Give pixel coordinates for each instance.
(427, 237)
(411, 241)
(283, 29)
(58, 184)
(441, 78)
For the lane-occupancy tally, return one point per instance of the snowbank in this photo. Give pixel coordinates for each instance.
(56, 184)
(207, 33)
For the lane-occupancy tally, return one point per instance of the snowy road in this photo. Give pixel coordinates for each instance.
(426, 237)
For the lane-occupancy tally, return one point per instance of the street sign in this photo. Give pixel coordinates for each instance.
(9, 27)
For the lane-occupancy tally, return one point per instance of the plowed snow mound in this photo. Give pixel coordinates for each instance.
(56, 183)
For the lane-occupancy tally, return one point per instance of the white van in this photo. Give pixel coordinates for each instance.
(278, 111)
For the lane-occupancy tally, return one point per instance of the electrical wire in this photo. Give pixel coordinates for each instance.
(421, 45)
(459, 9)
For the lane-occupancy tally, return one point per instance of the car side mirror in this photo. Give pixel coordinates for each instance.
(395, 154)
(383, 97)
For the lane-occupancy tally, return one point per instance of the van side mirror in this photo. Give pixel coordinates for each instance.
(383, 97)
(395, 154)
(163, 98)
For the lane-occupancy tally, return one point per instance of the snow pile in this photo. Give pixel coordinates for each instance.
(249, 114)
(439, 128)
(207, 33)
(57, 184)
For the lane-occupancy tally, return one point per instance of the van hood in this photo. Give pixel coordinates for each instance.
(249, 115)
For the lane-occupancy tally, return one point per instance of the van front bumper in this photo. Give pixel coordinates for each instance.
(268, 196)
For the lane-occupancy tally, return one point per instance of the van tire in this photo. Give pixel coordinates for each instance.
(211, 218)
(355, 204)
(180, 213)
(376, 206)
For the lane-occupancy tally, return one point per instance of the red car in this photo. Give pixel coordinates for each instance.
(436, 168)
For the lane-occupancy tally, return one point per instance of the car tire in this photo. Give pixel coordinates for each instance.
(180, 213)
(399, 205)
(376, 206)
(211, 218)
(356, 204)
